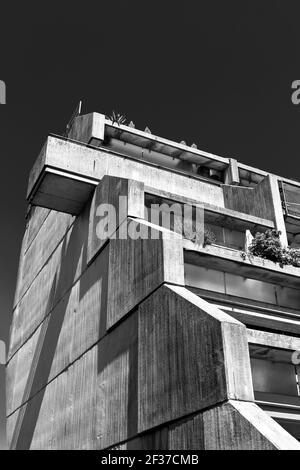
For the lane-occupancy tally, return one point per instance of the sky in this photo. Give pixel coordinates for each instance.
(215, 73)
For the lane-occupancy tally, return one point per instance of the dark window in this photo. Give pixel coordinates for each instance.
(291, 426)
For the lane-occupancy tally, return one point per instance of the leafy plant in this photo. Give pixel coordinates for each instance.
(291, 256)
(209, 237)
(267, 245)
(117, 118)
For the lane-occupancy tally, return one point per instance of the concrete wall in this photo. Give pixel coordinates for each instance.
(263, 201)
(108, 348)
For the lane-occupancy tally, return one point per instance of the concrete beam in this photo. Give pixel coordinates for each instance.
(274, 340)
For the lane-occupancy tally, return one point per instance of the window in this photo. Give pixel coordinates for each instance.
(290, 195)
(204, 278)
(240, 286)
(275, 377)
(227, 237)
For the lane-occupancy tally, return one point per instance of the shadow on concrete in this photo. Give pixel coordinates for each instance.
(49, 335)
(121, 340)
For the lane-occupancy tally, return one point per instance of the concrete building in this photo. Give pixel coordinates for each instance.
(157, 342)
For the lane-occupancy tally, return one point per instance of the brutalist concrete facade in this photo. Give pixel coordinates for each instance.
(154, 342)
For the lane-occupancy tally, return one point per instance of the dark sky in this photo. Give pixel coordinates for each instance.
(216, 73)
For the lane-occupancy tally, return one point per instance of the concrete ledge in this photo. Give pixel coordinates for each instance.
(273, 339)
(218, 214)
(270, 430)
(225, 259)
(62, 192)
(230, 426)
(191, 356)
(61, 179)
(77, 161)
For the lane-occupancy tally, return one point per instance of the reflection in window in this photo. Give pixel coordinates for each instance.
(204, 278)
(240, 286)
(274, 376)
(250, 288)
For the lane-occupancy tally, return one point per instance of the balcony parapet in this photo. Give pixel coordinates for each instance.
(233, 261)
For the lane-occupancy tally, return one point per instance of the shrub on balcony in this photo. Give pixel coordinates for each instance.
(292, 256)
(267, 245)
(209, 237)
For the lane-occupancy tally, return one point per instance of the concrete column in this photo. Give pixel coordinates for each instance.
(278, 212)
(232, 172)
(89, 129)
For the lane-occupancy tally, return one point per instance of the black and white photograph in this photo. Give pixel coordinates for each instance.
(150, 228)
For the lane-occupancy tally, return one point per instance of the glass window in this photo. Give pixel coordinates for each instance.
(231, 284)
(274, 375)
(203, 278)
(288, 297)
(218, 232)
(292, 198)
(250, 288)
(234, 239)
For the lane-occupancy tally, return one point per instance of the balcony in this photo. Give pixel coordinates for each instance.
(68, 168)
(61, 178)
(231, 261)
(227, 226)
